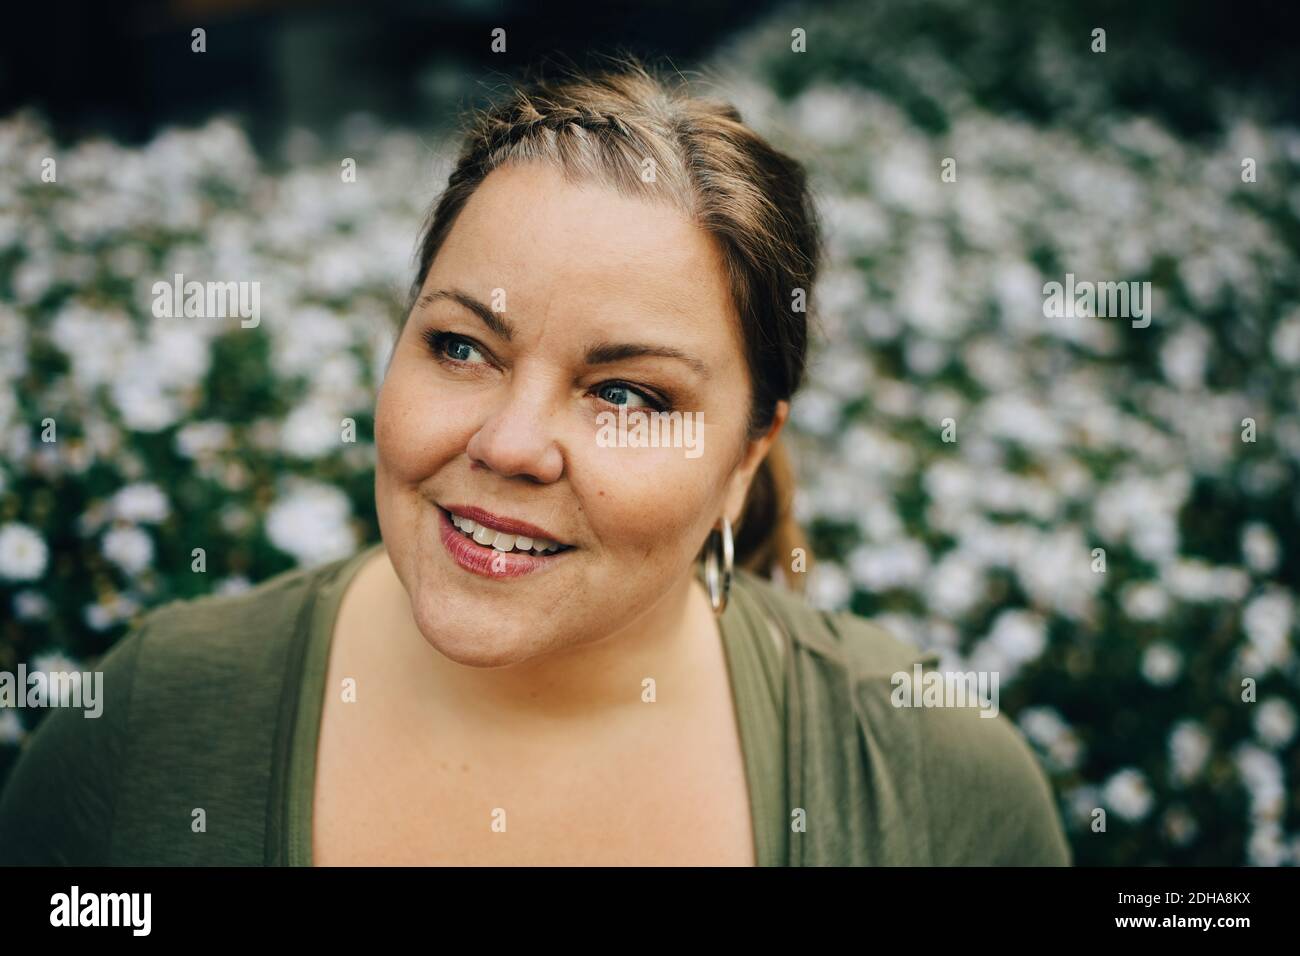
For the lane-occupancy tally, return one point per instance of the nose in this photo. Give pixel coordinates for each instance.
(517, 437)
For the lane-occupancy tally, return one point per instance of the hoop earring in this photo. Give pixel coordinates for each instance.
(719, 589)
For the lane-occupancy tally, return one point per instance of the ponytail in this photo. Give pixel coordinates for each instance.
(767, 537)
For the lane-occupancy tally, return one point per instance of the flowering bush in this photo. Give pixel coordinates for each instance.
(1102, 513)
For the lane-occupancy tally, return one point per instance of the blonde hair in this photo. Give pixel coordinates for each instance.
(609, 126)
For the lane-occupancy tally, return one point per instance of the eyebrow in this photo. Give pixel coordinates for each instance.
(604, 353)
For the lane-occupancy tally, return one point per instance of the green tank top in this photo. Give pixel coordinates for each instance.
(214, 705)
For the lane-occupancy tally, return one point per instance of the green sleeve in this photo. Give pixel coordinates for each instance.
(990, 801)
(57, 805)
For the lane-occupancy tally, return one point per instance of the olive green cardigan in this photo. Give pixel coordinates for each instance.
(215, 703)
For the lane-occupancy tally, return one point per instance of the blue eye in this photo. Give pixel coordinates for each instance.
(618, 394)
(456, 350)
(447, 346)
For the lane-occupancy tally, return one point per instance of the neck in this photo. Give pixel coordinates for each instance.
(675, 643)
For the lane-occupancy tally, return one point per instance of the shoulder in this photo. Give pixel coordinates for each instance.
(192, 697)
(57, 802)
(236, 631)
(964, 775)
(988, 800)
(195, 658)
(849, 641)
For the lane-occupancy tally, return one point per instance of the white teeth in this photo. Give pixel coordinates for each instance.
(501, 541)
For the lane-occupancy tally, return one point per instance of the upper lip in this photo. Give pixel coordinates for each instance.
(501, 523)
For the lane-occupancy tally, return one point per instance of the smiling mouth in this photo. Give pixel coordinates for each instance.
(502, 541)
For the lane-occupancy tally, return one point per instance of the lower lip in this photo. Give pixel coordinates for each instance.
(488, 561)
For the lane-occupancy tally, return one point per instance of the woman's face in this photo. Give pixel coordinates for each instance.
(499, 411)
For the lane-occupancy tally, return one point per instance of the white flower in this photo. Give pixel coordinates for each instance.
(924, 356)
(956, 584)
(129, 548)
(1056, 570)
(1275, 722)
(1144, 601)
(1128, 795)
(200, 439)
(1182, 358)
(950, 482)
(179, 353)
(1180, 826)
(1083, 802)
(828, 115)
(23, 553)
(1044, 726)
(314, 335)
(31, 606)
(145, 405)
(1267, 621)
(235, 584)
(1161, 664)
(1010, 417)
(310, 522)
(101, 616)
(1020, 635)
(815, 410)
(311, 430)
(828, 587)
(870, 451)
(1195, 580)
(1286, 340)
(141, 502)
(96, 342)
(1263, 776)
(1189, 748)
(1259, 547)
(60, 693)
(98, 617)
(11, 728)
(836, 494)
(1265, 847)
(894, 565)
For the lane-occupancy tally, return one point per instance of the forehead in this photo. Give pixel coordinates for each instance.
(587, 251)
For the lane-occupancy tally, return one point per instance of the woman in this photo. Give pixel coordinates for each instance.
(530, 669)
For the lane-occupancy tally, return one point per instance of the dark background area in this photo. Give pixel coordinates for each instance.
(126, 69)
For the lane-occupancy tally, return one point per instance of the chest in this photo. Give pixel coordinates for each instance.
(389, 793)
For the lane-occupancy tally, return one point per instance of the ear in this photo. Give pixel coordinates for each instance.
(756, 450)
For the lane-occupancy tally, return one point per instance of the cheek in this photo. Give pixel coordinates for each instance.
(412, 436)
(648, 503)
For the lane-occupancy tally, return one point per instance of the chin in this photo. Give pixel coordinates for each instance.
(476, 642)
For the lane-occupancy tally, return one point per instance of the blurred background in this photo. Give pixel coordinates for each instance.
(1115, 529)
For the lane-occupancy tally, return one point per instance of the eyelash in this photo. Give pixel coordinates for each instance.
(438, 341)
